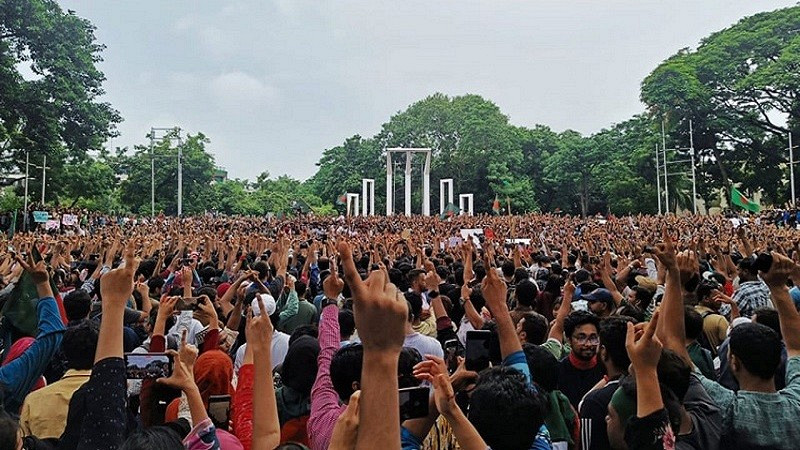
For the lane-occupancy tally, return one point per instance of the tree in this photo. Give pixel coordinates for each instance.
(732, 88)
(198, 172)
(57, 113)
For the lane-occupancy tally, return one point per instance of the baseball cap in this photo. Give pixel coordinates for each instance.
(599, 295)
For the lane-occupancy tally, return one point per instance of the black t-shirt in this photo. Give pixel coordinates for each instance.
(594, 409)
(574, 382)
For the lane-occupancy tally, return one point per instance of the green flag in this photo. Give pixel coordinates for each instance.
(738, 199)
(20, 307)
(449, 211)
(341, 200)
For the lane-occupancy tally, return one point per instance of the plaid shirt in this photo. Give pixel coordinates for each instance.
(750, 296)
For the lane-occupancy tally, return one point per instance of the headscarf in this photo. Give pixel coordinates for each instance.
(300, 365)
(213, 372)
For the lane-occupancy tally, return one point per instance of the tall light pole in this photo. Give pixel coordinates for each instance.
(44, 177)
(180, 175)
(170, 134)
(666, 183)
(791, 167)
(658, 181)
(694, 176)
(27, 175)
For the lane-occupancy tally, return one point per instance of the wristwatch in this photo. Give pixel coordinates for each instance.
(329, 301)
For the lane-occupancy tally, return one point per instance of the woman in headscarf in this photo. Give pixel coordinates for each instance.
(294, 398)
(213, 372)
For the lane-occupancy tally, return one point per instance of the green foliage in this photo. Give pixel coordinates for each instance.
(57, 113)
(198, 171)
(741, 89)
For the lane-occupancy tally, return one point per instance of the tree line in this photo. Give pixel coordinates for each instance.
(740, 88)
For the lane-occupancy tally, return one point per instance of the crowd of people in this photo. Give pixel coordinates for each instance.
(638, 332)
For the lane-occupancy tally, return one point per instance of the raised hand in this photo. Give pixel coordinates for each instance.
(494, 291)
(345, 432)
(116, 286)
(333, 285)
(665, 251)
(259, 330)
(380, 309)
(643, 346)
(37, 270)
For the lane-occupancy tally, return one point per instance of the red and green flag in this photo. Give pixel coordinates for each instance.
(738, 199)
(496, 205)
(449, 211)
(341, 200)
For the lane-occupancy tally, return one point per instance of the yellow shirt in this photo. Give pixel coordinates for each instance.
(44, 412)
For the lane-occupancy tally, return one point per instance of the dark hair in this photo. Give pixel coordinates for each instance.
(526, 292)
(630, 311)
(155, 282)
(704, 289)
(578, 318)
(304, 330)
(520, 273)
(674, 373)
(505, 410)
(153, 438)
(347, 323)
(77, 305)
(758, 347)
(414, 274)
(543, 365)
(8, 431)
(262, 268)
(80, 343)
(476, 298)
(769, 317)
(346, 369)
(508, 268)
(535, 327)
(644, 295)
(693, 322)
(208, 291)
(612, 332)
(409, 357)
(414, 305)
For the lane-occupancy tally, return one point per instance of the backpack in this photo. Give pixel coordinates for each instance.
(703, 339)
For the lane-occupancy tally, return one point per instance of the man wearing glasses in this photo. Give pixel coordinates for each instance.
(579, 371)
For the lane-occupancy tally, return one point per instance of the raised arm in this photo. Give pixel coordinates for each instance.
(381, 312)
(671, 329)
(557, 330)
(494, 291)
(781, 270)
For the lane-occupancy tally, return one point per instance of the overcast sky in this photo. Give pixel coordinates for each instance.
(274, 83)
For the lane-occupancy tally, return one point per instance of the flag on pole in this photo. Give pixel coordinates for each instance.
(449, 211)
(496, 205)
(738, 199)
(342, 199)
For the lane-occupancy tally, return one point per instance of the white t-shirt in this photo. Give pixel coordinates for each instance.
(280, 346)
(425, 345)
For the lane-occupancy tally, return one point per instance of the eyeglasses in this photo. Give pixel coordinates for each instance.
(583, 339)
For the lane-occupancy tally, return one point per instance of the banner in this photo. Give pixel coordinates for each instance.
(69, 220)
(52, 224)
(41, 216)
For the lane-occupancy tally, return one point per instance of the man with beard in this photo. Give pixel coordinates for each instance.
(579, 371)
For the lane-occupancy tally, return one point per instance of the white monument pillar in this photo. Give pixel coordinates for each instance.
(442, 183)
(367, 190)
(463, 199)
(407, 181)
(426, 179)
(352, 201)
(389, 184)
(426, 186)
